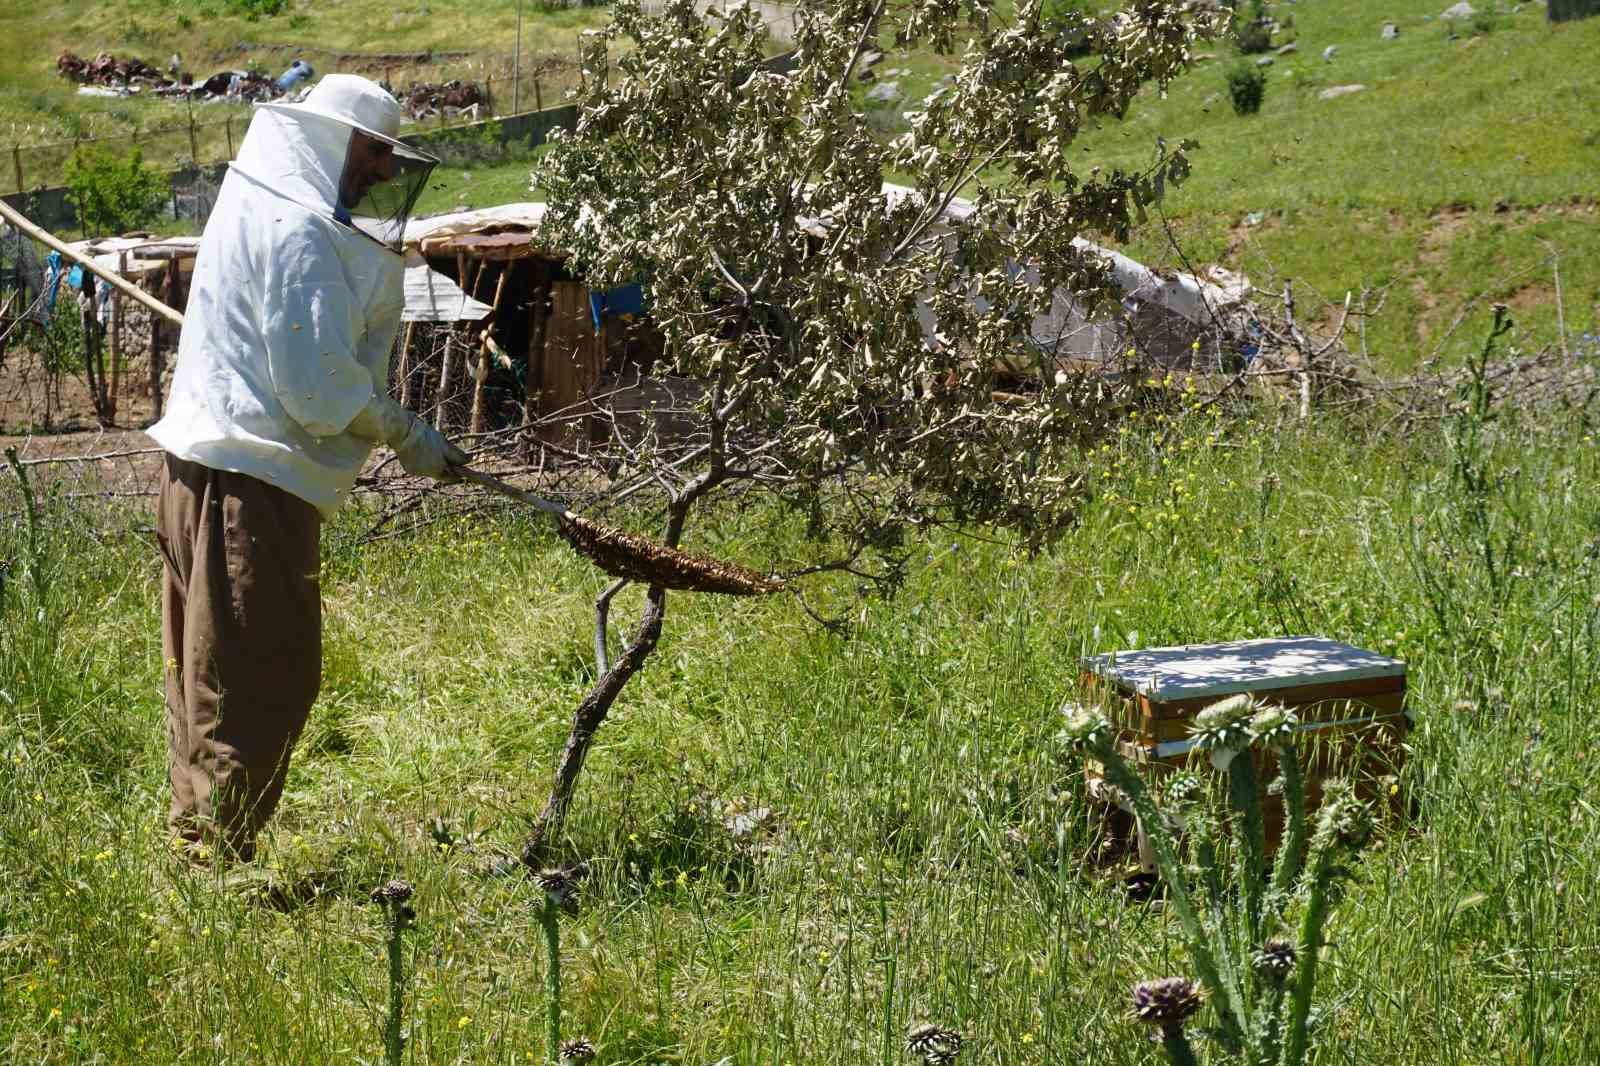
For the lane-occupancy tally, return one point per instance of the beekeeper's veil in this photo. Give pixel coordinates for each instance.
(336, 153)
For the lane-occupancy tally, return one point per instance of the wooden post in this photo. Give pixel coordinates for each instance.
(539, 316)
(405, 364)
(538, 97)
(93, 368)
(229, 125)
(157, 356)
(16, 161)
(516, 64)
(194, 146)
(116, 338)
(442, 401)
(478, 390)
(488, 94)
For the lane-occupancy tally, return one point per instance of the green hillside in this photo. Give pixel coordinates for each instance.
(1461, 174)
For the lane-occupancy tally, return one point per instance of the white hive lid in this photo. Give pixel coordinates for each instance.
(1194, 671)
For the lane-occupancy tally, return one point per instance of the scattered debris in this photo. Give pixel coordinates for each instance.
(1289, 49)
(1264, 61)
(886, 93)
(1329, 52)
(1390, 32)
(1336, 91)
(1462, 10)
(107, 75)
(430, 98)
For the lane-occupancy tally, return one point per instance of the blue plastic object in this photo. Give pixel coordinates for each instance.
(298, 72)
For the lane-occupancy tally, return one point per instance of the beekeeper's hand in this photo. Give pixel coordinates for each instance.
(422, 450)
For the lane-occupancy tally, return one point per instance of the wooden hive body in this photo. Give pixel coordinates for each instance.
(1350, 702)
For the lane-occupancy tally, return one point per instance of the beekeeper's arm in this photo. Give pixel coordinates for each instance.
(311, 325)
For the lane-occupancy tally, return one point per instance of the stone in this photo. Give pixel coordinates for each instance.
(1462, 10)
(1390, 31)
(871, 59)
(1329, 52)
(1336, 91)
(1264, 61)
(1289, 49)
(884, 93)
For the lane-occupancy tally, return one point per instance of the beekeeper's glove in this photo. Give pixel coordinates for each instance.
(421, 449)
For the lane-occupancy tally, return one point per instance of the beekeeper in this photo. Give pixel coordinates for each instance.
(279, 395)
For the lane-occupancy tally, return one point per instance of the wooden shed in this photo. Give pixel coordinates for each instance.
(516, 340)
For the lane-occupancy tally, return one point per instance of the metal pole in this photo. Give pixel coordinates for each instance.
(516, 65)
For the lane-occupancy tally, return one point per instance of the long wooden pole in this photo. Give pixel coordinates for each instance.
(478, 412)
(11, 215)
(116, 341)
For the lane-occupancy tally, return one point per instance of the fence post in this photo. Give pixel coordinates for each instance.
(194, 147)
(16, 161)
(488, 94)
(230, 136)
(538, 97)
(116, 341)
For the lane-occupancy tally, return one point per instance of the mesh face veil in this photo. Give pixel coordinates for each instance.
(380, 185)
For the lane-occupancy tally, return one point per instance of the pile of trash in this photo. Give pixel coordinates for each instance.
(107, 75)
(452, 98)
(107, 69)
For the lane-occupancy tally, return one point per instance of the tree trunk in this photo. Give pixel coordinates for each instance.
(586, 721)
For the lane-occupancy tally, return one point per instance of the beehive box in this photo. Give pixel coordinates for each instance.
(1350, 702)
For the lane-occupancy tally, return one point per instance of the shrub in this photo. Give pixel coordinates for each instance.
(114, 193)
(1247, 84)
(1252, 37)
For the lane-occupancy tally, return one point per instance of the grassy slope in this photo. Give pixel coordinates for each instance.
(1439, 184)
(1444, 186)
(37, 106)
(920, 819)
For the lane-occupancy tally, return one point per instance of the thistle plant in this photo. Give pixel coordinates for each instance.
(935, 1045)
(1169, 1003)
(560, 888)
(1253, 933)
(394, 898)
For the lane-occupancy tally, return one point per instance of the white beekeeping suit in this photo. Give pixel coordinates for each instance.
(283, 360)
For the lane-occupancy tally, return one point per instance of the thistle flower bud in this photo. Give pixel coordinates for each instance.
(577, 1051)
(1273, 725)
(560, 885)
(1344, 818)
(1085, 731)
(1184, 788)
(1276, 960)
(1225, 725)
(1169, 1002)
(937, 1046)
(395, 891)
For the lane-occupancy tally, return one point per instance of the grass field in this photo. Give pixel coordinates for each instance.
(920, 850)
(803, 841)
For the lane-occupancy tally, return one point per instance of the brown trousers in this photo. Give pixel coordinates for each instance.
(241, 630)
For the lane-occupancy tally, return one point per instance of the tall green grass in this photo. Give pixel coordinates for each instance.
(802, 842)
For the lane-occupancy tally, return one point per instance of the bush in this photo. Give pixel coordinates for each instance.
(114, 193)
(1247, 84)
(1252, 37)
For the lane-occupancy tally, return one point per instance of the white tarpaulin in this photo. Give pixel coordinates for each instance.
(1163, 314)
(433, 297)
